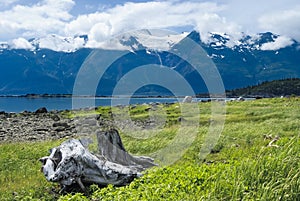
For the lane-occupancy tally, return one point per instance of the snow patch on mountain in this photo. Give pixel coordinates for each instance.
(58, 43)
(221, 40)
(4, 45)
(159, 40)
(22, 43)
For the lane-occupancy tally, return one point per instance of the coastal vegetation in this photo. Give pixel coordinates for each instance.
(256, 157)
(275, 88)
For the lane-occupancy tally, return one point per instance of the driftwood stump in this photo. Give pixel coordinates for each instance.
(72, 163)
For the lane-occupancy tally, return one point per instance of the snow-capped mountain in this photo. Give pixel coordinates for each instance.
(151, 39)
(159, 40)
(253, 59)
(261, 41)
(52, 42)
(50, 64)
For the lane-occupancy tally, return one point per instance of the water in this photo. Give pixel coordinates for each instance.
(19, 104)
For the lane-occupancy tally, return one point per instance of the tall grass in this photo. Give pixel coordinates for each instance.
(272, 175)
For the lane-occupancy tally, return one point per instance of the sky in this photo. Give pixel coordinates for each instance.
(101, 19)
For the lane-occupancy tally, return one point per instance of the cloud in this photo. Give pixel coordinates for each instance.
(48, 16)
(280, 42)
(130, 16)
(285, 22)
(230, 16)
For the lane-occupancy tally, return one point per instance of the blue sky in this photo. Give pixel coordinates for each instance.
(103, 18)
(89, 6)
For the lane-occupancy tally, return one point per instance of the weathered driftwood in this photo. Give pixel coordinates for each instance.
(72, 163)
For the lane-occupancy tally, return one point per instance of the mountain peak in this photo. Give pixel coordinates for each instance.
(261, 41)
(266, 37)
(152, 39)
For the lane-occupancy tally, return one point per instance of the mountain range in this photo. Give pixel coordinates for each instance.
(50, 65)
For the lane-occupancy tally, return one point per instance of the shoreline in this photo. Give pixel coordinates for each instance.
(85, 96)
(41, 124)
(19, 104)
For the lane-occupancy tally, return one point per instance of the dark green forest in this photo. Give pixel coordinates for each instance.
(284, 87)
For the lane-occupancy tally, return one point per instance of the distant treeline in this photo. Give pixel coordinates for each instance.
(275, 88)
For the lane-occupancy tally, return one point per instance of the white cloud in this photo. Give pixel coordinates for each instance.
(48, 16)
(280, 42)
(285, 22)
(131, 16)
(215, 24)
(21, 43)
(277, 16)
(84, 23)
(230, 16)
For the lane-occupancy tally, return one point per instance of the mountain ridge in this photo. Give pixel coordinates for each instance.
(71, 44)
(241, 63)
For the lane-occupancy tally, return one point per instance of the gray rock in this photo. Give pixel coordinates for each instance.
(60, 124)
(55, 117)
(187, 99)
(90, 121)
(60, 128)
(41, 110)
(41, 129)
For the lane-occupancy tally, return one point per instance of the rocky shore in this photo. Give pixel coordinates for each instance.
(43, 125)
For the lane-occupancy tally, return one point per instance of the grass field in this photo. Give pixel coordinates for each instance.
(241, 166)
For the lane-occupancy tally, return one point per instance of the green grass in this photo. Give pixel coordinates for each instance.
(20, 175)
(240, 166)
(271, 175)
